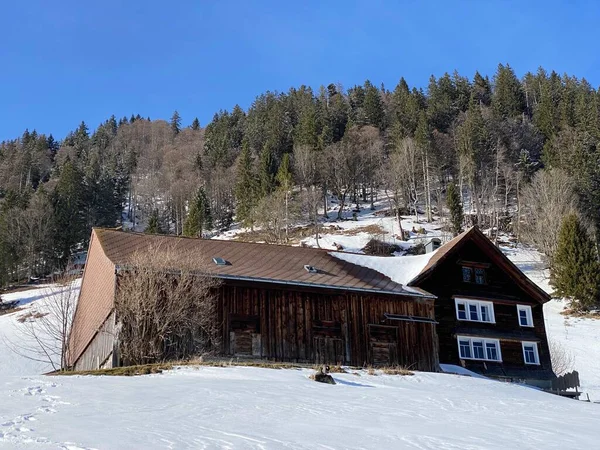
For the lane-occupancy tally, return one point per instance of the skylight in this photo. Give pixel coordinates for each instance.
(310, 269)
(219, 261)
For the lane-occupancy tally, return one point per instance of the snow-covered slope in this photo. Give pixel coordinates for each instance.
(579, 337)
(271, 409)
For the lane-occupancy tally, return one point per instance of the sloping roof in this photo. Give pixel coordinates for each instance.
(493, 252)
(258, 262)
(401, 269)
(411, 270)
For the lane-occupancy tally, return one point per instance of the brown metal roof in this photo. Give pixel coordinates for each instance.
(257, 262)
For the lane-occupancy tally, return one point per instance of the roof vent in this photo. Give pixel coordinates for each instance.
(220, 261)
(310, 269)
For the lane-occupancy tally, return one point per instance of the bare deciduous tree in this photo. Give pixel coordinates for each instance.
(47, 327)
(547, 200)
(563, 361)
(166, 305)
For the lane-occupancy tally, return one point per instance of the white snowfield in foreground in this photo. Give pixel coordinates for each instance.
(255, 408)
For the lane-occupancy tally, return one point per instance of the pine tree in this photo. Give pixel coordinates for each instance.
(175, 123)
(69, 222)
(455, 207)
(265, 172)
(199, 217)
(285, 182)
(575, 268)
(373, 106)
(481, 90)
(154, 226)
(245, 189)
(196, 124)
(508, 100)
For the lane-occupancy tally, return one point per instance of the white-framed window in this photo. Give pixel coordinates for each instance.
(530, 353)
(479, 348)
(525, 316)
(474, 310)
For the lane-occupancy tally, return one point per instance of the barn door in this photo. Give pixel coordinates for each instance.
(329, 350)
(244, 335)
(383, 341)
(328, 342)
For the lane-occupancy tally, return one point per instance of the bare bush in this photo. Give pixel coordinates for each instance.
(46, 328)
(166, 304)
(563, 360)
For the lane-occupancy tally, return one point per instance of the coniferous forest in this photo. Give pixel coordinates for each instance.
(519, 155)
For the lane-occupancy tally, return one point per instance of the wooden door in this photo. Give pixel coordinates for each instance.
(383, 342)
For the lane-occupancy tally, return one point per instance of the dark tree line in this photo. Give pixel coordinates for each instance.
(276, 163)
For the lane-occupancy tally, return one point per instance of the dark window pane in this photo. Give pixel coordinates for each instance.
(465, 349)
(462, 311)
(492, 351)
(479, 276)
(478, 350)
(473, 312)
(467, 273)
(485, 314)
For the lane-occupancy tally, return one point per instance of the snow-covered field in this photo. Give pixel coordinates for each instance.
(241, 407)
(271, 409)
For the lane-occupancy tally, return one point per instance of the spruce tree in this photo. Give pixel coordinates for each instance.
(373, 106)
(154, 224)
(69, 221)
(175, 123)
(199, 217)
(285, 182)
(575, 268)
(196, 124)
(508, 100)
(265, 173)
(455, 207)
(245, 188)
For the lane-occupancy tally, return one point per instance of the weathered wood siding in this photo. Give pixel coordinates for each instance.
(446, 283)
(285, 324)
(95, 303)
(99, 353)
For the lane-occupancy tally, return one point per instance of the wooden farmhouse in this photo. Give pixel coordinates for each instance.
(275, 302)
(491, 317)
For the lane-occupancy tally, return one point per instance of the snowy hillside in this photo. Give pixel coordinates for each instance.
(242, 407)
(253, 408)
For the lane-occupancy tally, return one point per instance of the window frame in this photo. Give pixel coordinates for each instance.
(528, 313)
(485, 342)
(473, 267)
(478, 303)
(536, 353)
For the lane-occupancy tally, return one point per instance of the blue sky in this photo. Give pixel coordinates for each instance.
(66, 61)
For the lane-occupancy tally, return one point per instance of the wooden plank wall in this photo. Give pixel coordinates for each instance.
(301, 326)
(99, 353)
(447, 282)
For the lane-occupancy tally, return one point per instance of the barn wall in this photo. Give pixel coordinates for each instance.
(347, 328)
(99, 353)
(95, 303)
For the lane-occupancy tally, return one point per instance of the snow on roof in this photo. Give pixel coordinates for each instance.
(401, 269)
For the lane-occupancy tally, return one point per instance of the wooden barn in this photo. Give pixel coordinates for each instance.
(275, 302)
(491, 317)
